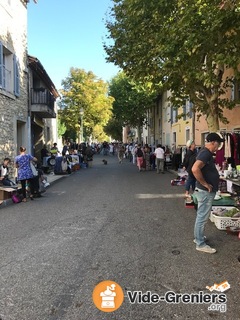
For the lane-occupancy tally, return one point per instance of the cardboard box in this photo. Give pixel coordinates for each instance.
(6, 193)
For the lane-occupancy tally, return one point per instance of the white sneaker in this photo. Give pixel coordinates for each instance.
(47, 184)
(206, 249)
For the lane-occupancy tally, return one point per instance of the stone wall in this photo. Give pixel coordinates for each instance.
(14, 109)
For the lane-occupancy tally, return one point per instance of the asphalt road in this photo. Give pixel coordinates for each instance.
(110, 222)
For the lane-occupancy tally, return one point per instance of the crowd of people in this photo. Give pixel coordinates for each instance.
(31, 180)
(71, 156)
(202, 179)
(145, 157)
(202, 174)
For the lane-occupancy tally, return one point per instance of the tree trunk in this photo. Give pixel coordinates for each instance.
(212, 117)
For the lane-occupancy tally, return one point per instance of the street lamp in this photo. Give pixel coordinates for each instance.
(81, 112)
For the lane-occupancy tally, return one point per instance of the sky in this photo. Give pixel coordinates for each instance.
(69, 33)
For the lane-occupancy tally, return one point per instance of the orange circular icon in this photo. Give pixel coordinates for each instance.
(108, 296)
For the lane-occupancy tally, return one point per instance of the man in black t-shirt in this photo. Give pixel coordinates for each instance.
(207, 177)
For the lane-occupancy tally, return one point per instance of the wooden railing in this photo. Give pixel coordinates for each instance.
(42, 96)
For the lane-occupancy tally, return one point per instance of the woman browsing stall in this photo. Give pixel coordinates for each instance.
(22, 163)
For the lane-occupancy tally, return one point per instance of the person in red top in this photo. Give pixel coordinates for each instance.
(139, 154)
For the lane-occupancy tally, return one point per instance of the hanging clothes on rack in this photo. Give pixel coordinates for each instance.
(235, 141)
(227, 146)
(220, 157)
(232, 147)
(237, 146)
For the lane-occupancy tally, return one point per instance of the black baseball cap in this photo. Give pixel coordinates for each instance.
(214, 137)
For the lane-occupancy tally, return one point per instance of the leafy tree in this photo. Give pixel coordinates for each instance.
(114, 129)
(82, 91)
(230, 4)
(61, 128)
(180, 45)
(131, 101)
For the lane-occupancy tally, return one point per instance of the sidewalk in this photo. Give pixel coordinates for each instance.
(51, 178)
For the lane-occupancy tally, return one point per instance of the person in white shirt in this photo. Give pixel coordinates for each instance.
(130, 148)
(159, 153)
(111, 149)
(134, 158)
(4, 171)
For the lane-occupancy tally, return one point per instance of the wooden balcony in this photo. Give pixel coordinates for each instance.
(42, 103)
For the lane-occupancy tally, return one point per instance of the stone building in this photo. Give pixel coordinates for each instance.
(27, 94)
(14, 113)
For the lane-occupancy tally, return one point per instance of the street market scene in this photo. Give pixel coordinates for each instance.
(120, 172)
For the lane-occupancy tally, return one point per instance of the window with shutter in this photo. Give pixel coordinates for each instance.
(189, 109)
(235, 94)
(9, 71)
(184, 111)
(174, 114)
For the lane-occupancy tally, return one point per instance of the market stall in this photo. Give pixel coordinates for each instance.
(225, 212)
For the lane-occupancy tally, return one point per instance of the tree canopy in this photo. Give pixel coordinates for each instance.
(131, 101)
(180, 45)
(114, 129)
(84, 93)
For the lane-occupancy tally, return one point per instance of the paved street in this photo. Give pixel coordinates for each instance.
(110, 222)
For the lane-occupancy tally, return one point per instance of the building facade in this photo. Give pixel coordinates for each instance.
(233, 116)
(27, 95)
(14, 119)
(42, 106)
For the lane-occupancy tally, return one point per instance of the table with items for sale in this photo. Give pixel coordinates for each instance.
(225, 212)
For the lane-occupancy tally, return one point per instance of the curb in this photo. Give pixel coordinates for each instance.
(9, 202)
(56, 178)
(173, 171)
(6, 203)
